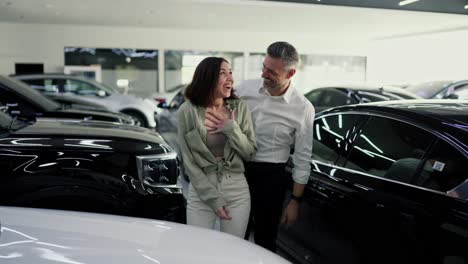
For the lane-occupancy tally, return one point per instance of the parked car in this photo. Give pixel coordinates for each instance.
(144, 111)
(328, 97)
(89, 166)
(441, 89)
(388, 185)
(17, 99)
(52, 236)
(165, 97)
(76, 102)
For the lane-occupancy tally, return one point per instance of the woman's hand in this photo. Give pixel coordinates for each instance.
(223, 213)
(215, 120)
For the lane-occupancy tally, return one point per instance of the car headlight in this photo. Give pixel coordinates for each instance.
(160, 170)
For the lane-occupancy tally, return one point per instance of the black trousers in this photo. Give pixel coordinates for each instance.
(267, 185)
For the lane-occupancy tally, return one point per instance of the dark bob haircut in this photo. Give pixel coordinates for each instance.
(201, 90)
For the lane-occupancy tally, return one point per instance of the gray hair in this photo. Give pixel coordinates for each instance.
(284, 51)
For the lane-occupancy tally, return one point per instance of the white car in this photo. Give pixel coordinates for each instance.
(50, 236)
(144, 111)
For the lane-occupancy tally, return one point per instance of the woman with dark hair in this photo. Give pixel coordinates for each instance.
(216, 134)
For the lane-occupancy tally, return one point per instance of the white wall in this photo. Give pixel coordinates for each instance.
(403, 60)
(45, 43)
(438, 56)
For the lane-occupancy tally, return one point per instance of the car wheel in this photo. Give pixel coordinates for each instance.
(140, 120)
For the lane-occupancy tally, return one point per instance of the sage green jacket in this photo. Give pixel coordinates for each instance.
(198, 161)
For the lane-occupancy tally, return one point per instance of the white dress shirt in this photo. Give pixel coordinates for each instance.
(280, 122)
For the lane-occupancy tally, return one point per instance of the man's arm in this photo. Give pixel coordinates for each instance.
(301, 171)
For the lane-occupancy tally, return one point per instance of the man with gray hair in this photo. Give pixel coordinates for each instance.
(282, 118)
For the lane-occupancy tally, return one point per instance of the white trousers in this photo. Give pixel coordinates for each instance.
(235, 190)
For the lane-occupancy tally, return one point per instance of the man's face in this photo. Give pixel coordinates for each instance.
(275, 75)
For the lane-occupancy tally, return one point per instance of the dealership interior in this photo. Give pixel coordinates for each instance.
(89, 98)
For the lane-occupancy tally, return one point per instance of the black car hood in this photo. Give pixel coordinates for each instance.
(91, 129)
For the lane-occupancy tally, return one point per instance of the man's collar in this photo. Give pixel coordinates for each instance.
(286, 96)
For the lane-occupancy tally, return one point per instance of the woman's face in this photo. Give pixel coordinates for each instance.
(225, 81)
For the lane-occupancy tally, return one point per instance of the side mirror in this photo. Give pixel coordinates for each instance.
(451, 96)
(101, 93)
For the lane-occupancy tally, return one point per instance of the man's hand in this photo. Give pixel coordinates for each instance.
(215, 121)
(223, 213)
(290, 213)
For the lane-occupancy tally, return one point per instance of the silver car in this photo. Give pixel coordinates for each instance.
(144, 111)
(50, 236)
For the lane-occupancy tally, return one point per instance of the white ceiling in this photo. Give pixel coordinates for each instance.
(235, 16)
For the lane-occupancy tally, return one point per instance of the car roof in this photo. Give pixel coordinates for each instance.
(65, 76)
(454, 110)
(370, 88)
(50, 75)
(443, 115)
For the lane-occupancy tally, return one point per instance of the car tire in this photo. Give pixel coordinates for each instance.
(140, 120)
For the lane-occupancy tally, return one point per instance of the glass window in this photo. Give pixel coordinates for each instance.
(331, 136)
(390, 149)
(81, 88)
(332, 97)
(444, 168)
(177, 101)
(16, 106)
(133, 71)
(462, 91)
(43, 85)
(180, 65)
(314, 97)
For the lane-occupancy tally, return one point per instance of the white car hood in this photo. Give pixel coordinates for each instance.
(50, 236)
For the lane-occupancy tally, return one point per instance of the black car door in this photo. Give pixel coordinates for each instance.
(445, 234)
(371, 196)
(311, 239)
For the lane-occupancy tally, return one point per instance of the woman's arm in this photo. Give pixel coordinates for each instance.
(241, 135)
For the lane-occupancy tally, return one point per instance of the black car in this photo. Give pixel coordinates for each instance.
(388, 184)
(18, 99)
(89, 166)
(441, 89)
(328, 97)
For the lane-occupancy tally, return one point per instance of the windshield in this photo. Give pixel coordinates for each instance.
(8, 123)
(428, 89)
(5, 120)
(110, 89)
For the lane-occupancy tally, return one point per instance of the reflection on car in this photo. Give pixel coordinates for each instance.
(17, 99)
(144, 111)
(167, 122)
(388, 184)
(328, 97)
(441, 89)
(52, 236)
(89, 166)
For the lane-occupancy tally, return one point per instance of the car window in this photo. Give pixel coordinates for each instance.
(462, 91)
(444, 168)
(16, 106)
(331, 135)
(177, 101)
(389, 148)
(314, 97)
(80, 88)
(43, 85)
(332, 97)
